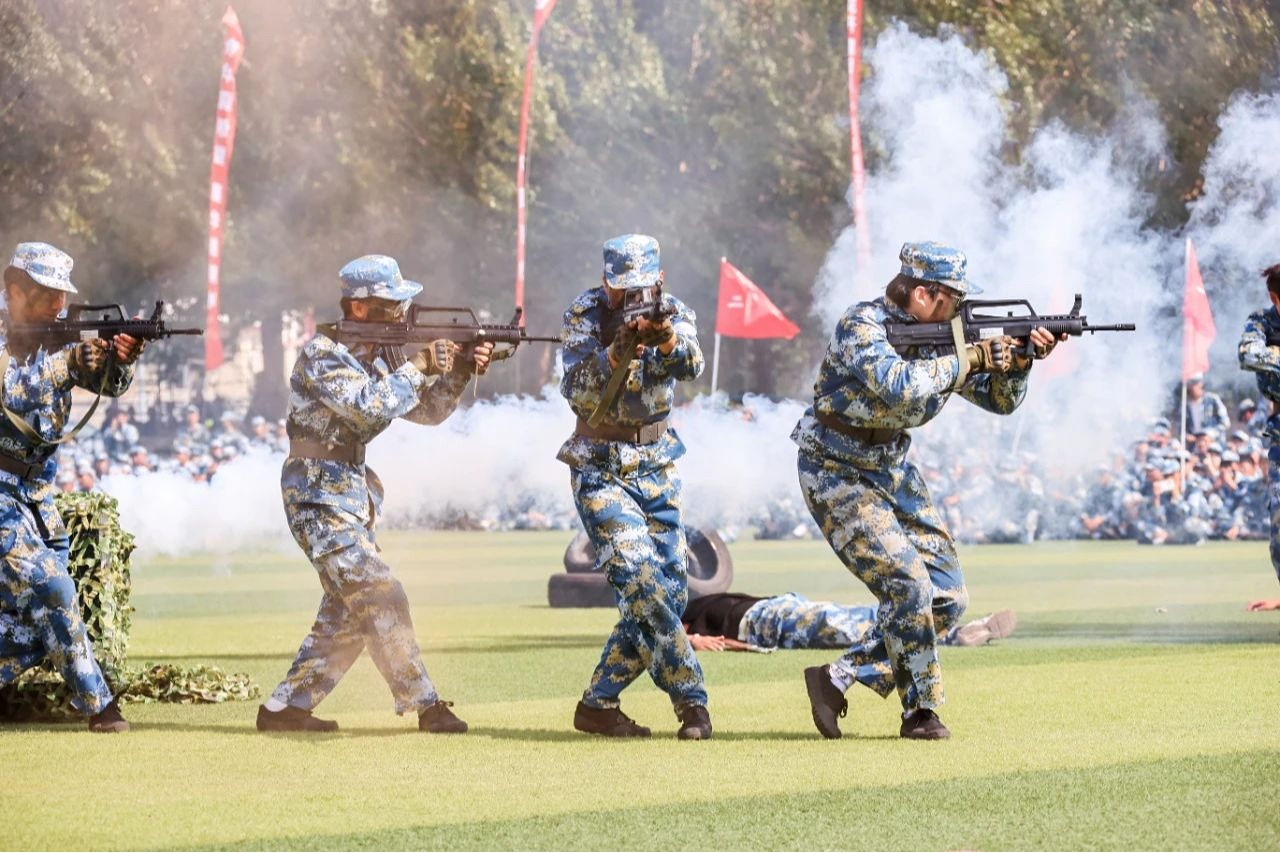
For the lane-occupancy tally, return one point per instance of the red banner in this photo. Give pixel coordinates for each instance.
(541, 11)
(745, 312)
(224, 137)
(1198, 330)
(861, 226)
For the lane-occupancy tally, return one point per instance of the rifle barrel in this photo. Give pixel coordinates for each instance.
(1118, 327)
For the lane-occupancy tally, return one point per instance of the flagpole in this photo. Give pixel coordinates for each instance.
(715, 365)
(1182, 457)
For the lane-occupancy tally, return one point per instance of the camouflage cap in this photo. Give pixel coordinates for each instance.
(46, 265)
(376, 277)
(930, 261)
(631, 261)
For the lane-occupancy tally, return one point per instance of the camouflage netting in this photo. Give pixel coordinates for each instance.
(99, 564)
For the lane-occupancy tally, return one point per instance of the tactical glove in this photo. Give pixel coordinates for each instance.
(623, 347)
(990, 355)
(658, 335)
(88, 357)
(435, 359)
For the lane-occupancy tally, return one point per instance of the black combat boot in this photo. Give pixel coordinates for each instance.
(292, 719)
(109, 720)
(923, 724)
(438, 719)
(695, 723)
(826, 702)
(610, 722)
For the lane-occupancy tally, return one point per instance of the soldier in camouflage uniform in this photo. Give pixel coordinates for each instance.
(871, 504)
(40, 618)
(341, 399)
(627, 490)
(1257, 355)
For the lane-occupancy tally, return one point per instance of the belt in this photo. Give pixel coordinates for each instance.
(317, 450)
(18, 468)
(647, 434)
(863, 434)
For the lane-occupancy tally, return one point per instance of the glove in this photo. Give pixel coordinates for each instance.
(990, 355)
(88, 357)
(658, 334)
(623, 347)
(435, 359)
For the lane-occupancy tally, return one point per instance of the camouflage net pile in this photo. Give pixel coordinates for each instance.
(99, 564)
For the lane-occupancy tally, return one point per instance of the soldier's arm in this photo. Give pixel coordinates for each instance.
(685, 361)
(26, 382)
(367, 405)
(1254, 353)
(119, 378)
(864, 349)
(440, 398)
(586, 361)
(1000, 393)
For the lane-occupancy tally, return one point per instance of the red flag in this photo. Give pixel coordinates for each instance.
(224, 137)
(745, 312)
(541, 11)
(1198, 330)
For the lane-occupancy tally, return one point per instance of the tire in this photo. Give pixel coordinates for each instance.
(580, 590)
(710, 565)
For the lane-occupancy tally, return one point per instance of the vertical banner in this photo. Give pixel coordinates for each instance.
(1198, 330)
(541, 11)
(862, 229)
(224, 136)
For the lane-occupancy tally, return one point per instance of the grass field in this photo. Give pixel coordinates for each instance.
(1136, 707)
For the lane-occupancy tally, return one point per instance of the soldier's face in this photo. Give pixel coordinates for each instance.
(939, 305)
(30, 303)
(376, 310)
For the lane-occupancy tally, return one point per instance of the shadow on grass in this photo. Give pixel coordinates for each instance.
(1175, 632)
(481, 646)
(568, 735)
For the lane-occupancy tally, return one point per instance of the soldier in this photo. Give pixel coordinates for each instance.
(627, 490)
(872, 505)
(1263, 358)
(1205, 409)
(39, 615)
(193, 433)
(341, 399)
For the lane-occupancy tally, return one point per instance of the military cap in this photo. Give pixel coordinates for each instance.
(1195, 379)
(1246, 403)
(1215, 448)
(192, 408)
(1240, 435)
(136, 449)
(376, 277)
(47, 266)
(257, 420)
(1160, 423)
(229, 415)
(1230, 456)
(930, 261)
(631, 261)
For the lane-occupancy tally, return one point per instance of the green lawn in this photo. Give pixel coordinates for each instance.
(1136, 707)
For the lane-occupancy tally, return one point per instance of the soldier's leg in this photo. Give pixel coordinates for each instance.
(325, 656)
(792, 621)
(923, 524)
(20, 646)
(856, 513)
(674, 667)
(34, 582)
(344, 553)
(624, 552)
(1273, 502)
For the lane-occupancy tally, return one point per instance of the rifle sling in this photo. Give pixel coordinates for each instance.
(29, 431)
(619, 375)
(957, 335)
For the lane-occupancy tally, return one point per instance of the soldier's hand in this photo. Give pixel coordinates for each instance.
(482, 356)
(128, 348)
(655, 334)
(990, 355)
(436, 358)
(620, 348)
(1044, 341)
(89, 356)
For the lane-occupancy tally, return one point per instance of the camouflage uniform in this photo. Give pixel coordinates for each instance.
(628, 496)
(872, 504)
(39, 612)
(1264, 360)
(343, 398)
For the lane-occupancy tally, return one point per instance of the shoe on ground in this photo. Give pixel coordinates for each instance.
(610, 722)
(695, 723)
(440, 719)
(109, 721)
(826, 702)
(923, 724)
(997, 626)
(292, 719)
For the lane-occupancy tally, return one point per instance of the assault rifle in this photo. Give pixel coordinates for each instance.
(977, 324)
(423, 324)
(78, 325)
(637, 303)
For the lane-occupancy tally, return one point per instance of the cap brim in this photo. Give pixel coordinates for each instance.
(51, 282)
(405, 290)
(632, 280)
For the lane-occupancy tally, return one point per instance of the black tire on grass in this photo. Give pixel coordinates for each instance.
(710, 565)
(580, 590)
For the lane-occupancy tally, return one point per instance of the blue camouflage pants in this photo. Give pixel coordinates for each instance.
(39, 608)
(1273, 502)
(791, 621)
(363, 606)
(883, 526)
(634, 525)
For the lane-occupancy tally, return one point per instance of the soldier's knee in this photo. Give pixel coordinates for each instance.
(55, 592)
(949, 607)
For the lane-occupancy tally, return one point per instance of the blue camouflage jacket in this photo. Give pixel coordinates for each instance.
(341, 398)
(646, 397)
(866, 383)
(37, 388)
(1256, 356)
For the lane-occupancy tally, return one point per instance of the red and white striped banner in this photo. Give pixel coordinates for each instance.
(224, 137)
(541, 11)
(861, 226)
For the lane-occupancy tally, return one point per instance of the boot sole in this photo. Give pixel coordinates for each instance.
(110, 728)
(613, 733)
(813, 677)
(694, 734)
